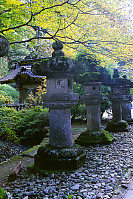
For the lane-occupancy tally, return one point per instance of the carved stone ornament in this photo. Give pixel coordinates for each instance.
(4, 46)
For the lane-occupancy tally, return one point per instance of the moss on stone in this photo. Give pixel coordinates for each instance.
(3, 194)
(117, 126)
(31, 152)
(92, 138)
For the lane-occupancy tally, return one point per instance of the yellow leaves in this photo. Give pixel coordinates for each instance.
(13, 2)
(97, 27)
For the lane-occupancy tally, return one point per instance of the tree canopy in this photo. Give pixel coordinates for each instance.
(102, 28)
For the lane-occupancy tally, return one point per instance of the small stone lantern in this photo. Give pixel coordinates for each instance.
(60, 153)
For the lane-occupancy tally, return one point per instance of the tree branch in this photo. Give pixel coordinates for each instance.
(32, 15)
(8, 10)
(28, 40)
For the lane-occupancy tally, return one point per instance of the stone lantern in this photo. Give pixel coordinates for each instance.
(60, 153)
(119, 97)
(93, 98)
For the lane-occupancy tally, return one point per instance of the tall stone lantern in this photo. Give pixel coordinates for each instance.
(60, 153)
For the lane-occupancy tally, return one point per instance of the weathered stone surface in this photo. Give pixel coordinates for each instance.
(60, 134)
(65, 153)
(60, 159)
(92, 98)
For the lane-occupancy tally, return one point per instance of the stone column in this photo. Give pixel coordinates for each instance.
(126, 103)
(116, 108)
(93, 117)
(117, 98)
(93, 99)
(60, 134)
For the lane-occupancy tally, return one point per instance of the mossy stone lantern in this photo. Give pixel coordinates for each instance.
(60, 153)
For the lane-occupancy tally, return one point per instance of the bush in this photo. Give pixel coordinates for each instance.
(8, 117)
(27, 125)
(5, 99)
(30, 126)
(9, 92)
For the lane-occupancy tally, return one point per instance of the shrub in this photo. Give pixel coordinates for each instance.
(30, 126)
(5, 99)
(9, 91)
(7, 120)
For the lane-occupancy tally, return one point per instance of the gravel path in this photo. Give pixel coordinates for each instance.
(8, 150)
(103, 171)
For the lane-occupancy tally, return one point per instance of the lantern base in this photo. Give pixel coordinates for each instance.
(117, 126)
(50, 158)
(88, 138)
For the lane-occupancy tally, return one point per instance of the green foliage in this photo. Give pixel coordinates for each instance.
(3, 67)
(131, 91)
(31, 123)
(7, 119)
(8, 94)
(5, 99)
(16, 53)
(3, 194)
(70, 196)
(9, 91)
(28, 125)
